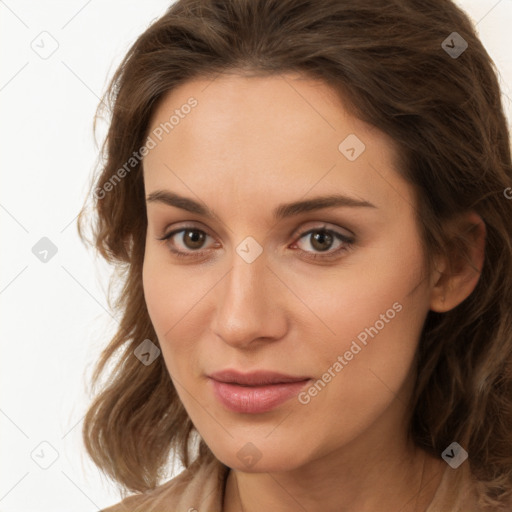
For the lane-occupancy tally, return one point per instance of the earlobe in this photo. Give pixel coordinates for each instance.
(459, 272)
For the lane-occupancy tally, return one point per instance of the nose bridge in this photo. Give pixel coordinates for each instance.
(247, 305)
(245, 289)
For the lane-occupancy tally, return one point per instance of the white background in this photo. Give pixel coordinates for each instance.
(55, 318)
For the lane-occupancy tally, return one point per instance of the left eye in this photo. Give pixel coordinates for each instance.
(322, 240)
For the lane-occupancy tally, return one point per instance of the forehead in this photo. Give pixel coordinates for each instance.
(246, 133)
(257, 103)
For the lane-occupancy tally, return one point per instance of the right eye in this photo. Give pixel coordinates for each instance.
(188, 244)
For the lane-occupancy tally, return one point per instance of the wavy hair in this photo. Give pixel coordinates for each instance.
(445, 114)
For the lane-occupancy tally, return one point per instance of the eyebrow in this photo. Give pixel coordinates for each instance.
(280, 212)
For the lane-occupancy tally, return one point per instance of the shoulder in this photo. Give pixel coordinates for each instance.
(457, 492)
(197, 488)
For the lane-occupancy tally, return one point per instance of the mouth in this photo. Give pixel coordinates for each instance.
(255, 392)
(255, 378)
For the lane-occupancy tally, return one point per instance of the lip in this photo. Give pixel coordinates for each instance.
(255, 392)
(255, 378)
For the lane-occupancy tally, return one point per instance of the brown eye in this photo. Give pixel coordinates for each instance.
(186, 241)
(321, 240)
(193, 238)
(323, 243)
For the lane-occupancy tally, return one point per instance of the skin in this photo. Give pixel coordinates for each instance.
(251, 144)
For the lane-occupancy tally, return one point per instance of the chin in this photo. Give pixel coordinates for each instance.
(253, 457)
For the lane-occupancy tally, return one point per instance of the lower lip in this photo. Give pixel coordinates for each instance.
(255, 399)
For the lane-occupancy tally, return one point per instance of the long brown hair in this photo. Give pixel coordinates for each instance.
(392, 63)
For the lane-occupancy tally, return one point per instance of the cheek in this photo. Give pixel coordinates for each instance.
(174, 296)
(158, 291)
(364, 370)
(370, 315)
(166, 298)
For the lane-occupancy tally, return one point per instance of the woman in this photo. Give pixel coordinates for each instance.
(308, 202)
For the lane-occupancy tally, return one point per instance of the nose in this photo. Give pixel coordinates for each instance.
(250, 308)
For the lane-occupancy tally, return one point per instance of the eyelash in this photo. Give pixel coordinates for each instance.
(348, 243)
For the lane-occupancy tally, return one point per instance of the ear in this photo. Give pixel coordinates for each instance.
(457, 273)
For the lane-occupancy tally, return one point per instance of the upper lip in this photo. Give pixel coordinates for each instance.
(256, 378)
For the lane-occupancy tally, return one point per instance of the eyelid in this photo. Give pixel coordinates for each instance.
(184, 226)
(319, 226)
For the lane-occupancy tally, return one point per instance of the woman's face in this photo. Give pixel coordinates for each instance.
(335, 292)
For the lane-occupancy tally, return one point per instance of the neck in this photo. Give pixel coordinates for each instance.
(398, 483)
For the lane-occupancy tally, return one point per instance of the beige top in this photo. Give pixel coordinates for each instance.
(204, 492)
